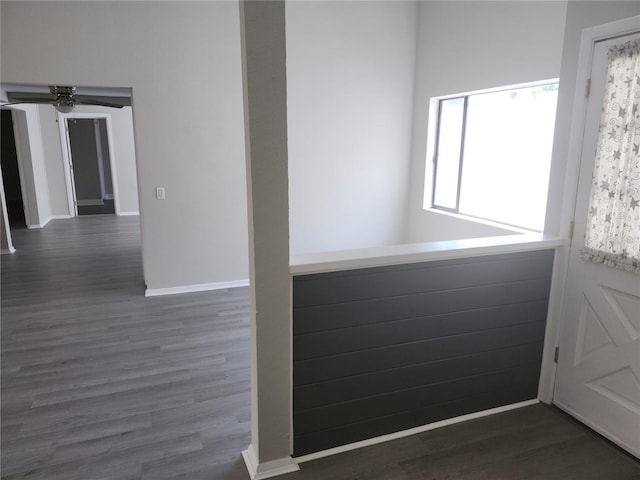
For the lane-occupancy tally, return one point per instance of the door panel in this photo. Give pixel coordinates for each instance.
(598, 377)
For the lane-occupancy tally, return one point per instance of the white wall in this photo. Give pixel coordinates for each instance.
(53, 161)
(466, 46)
(125, 156)
(350, 72)
(182, 61)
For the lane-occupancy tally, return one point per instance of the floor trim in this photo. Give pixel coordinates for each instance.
(412, 431)
(46, 222)
(272, 468)
(198, 287)
(129, 214)
(35, 226)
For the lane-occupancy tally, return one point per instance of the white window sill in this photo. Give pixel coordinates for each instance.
(321, 262)
(461, 216)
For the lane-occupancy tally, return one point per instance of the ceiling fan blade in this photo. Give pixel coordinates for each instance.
(99, 103)
(15, 100)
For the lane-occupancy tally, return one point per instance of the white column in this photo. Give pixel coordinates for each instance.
(265, 118)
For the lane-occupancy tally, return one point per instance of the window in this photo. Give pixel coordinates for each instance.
(493, 153)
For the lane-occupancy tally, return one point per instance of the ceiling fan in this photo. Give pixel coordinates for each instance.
(64, 99)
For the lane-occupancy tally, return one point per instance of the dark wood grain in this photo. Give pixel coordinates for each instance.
(99, 382)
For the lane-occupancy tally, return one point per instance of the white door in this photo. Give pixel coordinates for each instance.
(71, 184)
(598, 376)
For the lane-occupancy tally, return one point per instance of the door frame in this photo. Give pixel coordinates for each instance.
(67, 160)
(589, 38)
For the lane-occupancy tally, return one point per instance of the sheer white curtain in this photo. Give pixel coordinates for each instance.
(613, 222)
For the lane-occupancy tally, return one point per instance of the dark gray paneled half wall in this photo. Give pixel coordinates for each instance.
(379, 350)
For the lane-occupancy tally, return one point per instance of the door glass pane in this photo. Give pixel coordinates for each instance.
(448, 160)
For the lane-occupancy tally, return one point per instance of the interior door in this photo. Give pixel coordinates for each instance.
(70, 158)
(598, 376)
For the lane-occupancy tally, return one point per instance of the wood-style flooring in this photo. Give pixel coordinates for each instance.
(99, 382)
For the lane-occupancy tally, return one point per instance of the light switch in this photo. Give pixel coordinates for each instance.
(160, 193)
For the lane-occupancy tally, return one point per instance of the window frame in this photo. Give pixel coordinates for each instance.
(433, 137)
(436, 153)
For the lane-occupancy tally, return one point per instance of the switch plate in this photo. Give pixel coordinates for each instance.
(160, 195)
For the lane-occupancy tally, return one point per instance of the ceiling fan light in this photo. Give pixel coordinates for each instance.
(63, 108)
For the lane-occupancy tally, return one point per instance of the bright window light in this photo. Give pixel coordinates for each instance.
(493, 154)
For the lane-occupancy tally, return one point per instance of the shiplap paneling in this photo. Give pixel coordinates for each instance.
(384, 349)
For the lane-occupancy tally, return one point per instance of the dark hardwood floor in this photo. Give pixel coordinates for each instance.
(99, 382)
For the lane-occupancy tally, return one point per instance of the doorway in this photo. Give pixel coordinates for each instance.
(11, 173)
(89, 163)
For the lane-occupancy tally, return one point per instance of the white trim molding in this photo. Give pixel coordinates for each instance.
(45, 222)
(6, 251)
(272, 468)
(198, 287)
(129, 214)
(324, 262)
(412, 431)
(36, 226)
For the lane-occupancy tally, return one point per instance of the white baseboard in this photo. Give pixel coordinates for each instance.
(198, 287)
(35, 226)
(272, 468)
(90, 203)
(129, 214)
(46, 222)
(8, 250)
(412, 431)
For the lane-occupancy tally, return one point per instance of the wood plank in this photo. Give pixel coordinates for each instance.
(340, 366)
(391, 403)
(322, 440)
(363, 337)
(392, 380)
(369, 283)
(342, 315)
(372, 344)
